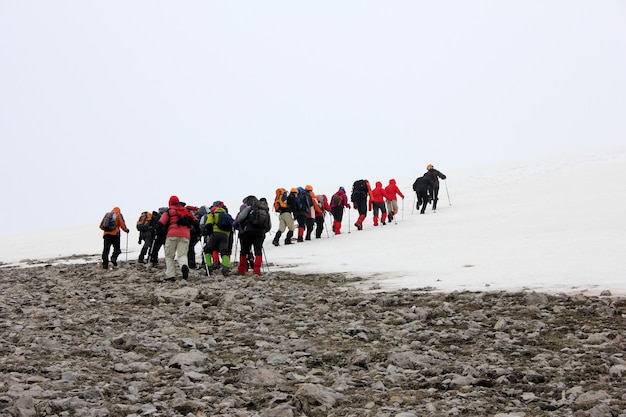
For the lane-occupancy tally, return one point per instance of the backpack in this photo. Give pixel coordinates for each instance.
(108, 221)
(303, 201)
(337, 201)
(143, 224)
(224, 221)
(359, 186)
(321, 200)
(258, 217)
(280, 202)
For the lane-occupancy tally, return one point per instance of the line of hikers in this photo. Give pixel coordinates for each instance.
(179, 227)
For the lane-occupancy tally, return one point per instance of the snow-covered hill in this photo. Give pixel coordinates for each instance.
(555, 226)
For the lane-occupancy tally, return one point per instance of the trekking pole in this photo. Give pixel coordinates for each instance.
(236, 238)
(349, 222)
(403, 209)
(326, 227)
(446, 184)
(413, 207)
(267, 266)
(126, 247)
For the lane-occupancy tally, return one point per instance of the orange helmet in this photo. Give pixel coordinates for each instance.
(294, 190)
(309, 187)
(429, 166)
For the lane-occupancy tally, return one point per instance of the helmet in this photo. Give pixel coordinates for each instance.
(429, 166)
(342, 189)
(308, 187)
(294, 190)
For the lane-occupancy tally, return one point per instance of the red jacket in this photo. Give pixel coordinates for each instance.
(378, 194)
(391, 190)
(170, 218)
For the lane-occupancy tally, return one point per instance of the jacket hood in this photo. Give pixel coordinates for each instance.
(115, 210)
(379, 184)
(392, 181)
(173, 201)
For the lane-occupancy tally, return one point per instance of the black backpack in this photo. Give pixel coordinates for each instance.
(359, 188)
(259, 216)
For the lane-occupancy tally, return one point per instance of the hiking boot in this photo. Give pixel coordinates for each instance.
(225, 271)
(105, 265)
(141, 261)
(185, 270)
(114, 262)
(383, 222)
(300, 239)
(359, 226)
(275, 242)
(169, 279)
(155, 264)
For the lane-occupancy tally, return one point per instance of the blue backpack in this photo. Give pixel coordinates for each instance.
(225, 221)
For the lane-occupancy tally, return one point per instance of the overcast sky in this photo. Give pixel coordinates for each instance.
(123, 103)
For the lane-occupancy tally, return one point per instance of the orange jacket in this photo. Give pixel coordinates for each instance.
(119, 223)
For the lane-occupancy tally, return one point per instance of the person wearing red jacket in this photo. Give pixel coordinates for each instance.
(322, 204)
(312, 213)
(377, 203)
(178, 222)
(391, 193)
(112, 238)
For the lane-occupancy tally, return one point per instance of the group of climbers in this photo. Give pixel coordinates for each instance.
(179, 227)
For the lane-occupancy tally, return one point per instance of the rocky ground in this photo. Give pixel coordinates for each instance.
(79, 341)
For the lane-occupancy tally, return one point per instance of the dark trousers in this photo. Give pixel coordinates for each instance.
(337, 213)
(111, 240)
(422, 200)
(319, 226)
(361, 204)
(147, 244)
(252, 239)
(154, 253)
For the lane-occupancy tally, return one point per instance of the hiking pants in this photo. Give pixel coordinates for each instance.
(111, 240)
(392, 206)
(337, 213)
(360, 203)
(285, 221)
(175, 247)
(252, 239)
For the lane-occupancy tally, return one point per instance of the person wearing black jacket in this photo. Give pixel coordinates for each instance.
(421, 187)
(434, 176)
(253, 222)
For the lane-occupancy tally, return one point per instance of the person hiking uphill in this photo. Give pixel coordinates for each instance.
(284, 205)
(177, 220)
(391, 193)
(112, 237)
(377, 204)
(361, 191)
(219, 243)
(312, 212)
(322, 204)
(421, 187)
(253, 222)
(338, 202)
(434, 176)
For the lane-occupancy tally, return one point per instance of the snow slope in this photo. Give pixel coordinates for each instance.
(556, 225)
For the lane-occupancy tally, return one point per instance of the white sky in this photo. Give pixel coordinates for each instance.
(543, 225)
(118, 103)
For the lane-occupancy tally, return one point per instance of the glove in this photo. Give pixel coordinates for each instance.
(139, 241)
(127, 230)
